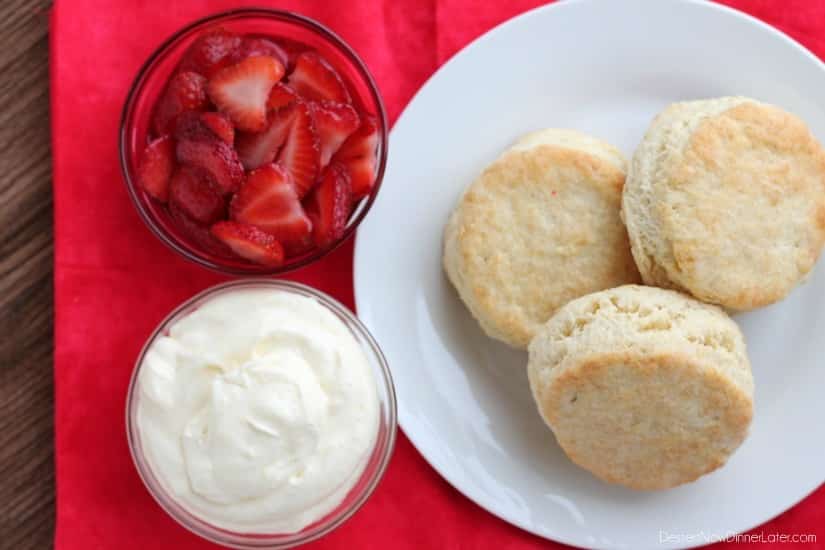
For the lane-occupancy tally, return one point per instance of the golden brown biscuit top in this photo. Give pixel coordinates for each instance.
(744, 207)
(538, 228)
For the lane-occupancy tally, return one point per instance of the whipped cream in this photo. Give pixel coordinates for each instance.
(258, 411)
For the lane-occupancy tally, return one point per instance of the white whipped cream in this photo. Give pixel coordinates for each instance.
(257, 412)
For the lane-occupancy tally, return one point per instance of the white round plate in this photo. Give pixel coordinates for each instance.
(606, 68)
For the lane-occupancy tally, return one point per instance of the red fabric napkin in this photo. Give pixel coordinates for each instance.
(114, 281)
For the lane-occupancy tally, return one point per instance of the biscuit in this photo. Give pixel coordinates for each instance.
(644, 387)
(725, 200)
(539, 227)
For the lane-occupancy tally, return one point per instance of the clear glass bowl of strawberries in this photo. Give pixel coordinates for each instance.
(253, 141)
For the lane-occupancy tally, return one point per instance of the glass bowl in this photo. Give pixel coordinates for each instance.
(151, 81)
(377, 459)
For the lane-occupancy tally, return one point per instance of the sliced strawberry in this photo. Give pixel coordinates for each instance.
(219, 124)
(155, 167)
(280, 96)
(249, 242)
(261, 148)
(192, 126)
(193, 193)
(298, 248)
(253, 46)
(293, 49)
(268, 201)
(334, 123)
(210, 52)
(241, 90)
(207, 126)
(362, 175)
(198, 235)
(315, 79)
(217, 158)
(358, 154)
(186, 91)
(329, 205)
(300, 154)
(362, 143)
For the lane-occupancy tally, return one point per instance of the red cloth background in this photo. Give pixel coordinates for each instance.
(114, 281)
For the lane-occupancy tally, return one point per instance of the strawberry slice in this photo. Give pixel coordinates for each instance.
(358, 154)
(362, 143)
(253, 46)
(219, 125)
(362, 175)
(329, 205)
(334, 123)
(192, 125)
(214, 156)
(300, 154)
(293, 49)
(249, 242)
(210, 52)
(155, 167)
(198, 235)
(280, 96)
(315, 79)
(241, 90)
(207, 126)
(193, 193)
(186, 91)
(268, 201)
(261, 148)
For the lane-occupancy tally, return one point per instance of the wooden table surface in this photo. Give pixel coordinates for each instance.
(26, 429)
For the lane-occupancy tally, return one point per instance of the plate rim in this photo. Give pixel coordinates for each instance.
(358, 252)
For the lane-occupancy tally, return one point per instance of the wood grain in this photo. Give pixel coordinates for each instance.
(26, 396)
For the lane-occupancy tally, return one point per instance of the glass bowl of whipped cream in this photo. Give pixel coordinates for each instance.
(261, 414)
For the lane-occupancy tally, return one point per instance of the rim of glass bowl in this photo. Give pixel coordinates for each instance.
(145, 73)
(199, 526)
